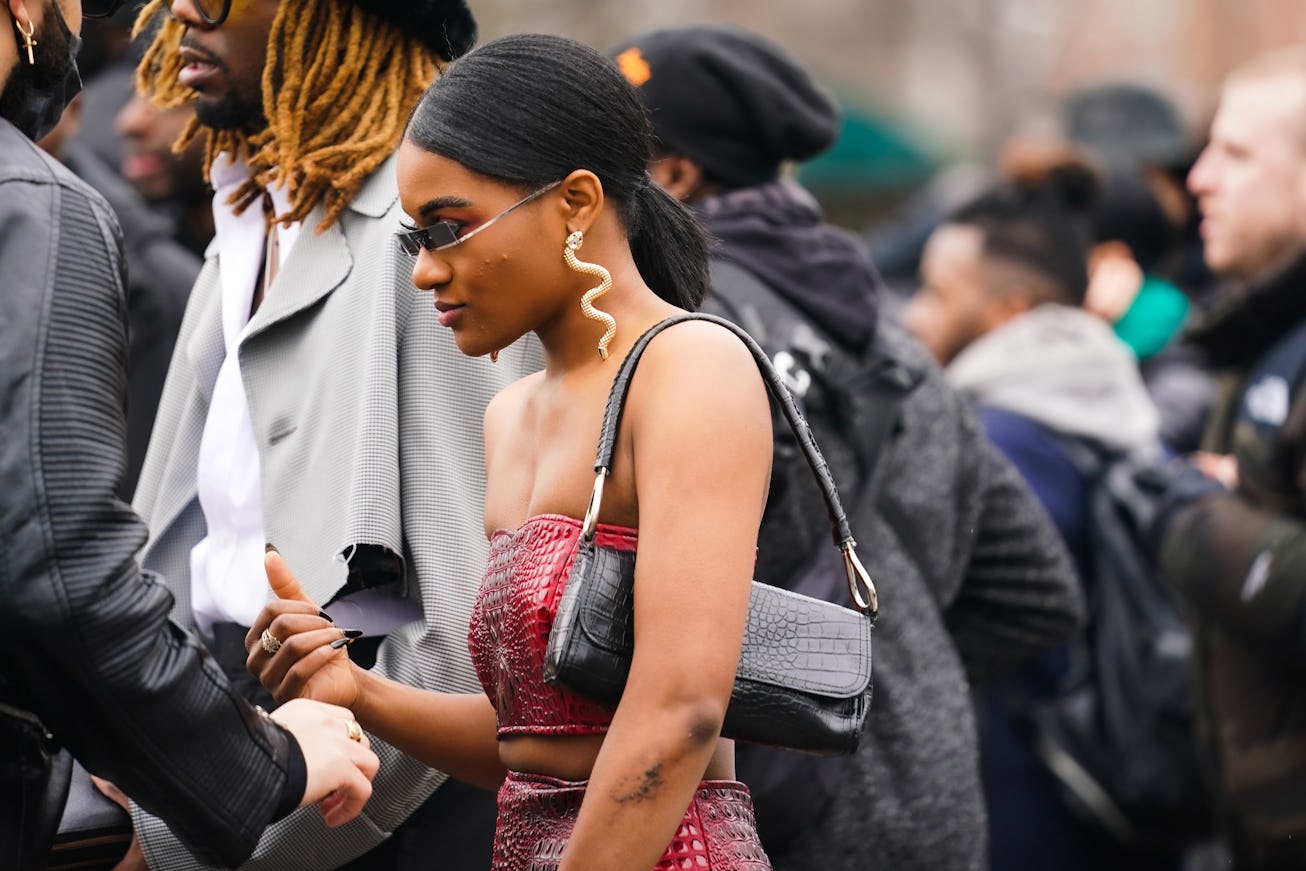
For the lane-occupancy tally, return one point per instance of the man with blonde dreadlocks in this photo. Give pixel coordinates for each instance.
(312, 400)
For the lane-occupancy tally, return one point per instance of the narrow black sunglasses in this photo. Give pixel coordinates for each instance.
(444, 234)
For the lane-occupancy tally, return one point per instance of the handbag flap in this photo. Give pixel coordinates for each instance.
(798, 642)
(604, 578)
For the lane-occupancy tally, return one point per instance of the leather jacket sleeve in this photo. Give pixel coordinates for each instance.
(1242, 567)
(85, 640)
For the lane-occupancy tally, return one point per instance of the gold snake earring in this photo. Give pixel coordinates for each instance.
(574, 241)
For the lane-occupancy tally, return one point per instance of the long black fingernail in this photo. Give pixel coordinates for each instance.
(325, 616)
(341, 642)
(353, 633)
(270, 548)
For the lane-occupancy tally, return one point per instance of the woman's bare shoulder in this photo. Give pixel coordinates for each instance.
(703, 355)
(706, 377)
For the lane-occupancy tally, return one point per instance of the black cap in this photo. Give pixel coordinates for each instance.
(445, 26)
(732, 101)
(1126, 122)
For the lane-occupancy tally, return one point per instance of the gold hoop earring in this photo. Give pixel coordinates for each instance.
(28, 42)
(574, 241)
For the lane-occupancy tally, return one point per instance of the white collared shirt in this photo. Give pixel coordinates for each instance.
(228, 584)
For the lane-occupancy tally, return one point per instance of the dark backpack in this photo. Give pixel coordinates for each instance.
(851, 404)
(1119, 736)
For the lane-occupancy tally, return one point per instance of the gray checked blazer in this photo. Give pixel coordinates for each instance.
(368, 422)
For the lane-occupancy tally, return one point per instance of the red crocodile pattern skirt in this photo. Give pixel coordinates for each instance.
(536, 815)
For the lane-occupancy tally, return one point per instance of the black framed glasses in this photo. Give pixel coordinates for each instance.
(214, 12)
(211, 12)
(100, 8)
(445, 234)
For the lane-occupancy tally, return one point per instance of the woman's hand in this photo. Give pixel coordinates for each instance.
(303, 664)
(453, 732)
(134, 858)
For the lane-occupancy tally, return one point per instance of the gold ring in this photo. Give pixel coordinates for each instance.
(269, 641)
(355, 731)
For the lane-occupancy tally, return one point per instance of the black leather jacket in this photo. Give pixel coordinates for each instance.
(85, 640)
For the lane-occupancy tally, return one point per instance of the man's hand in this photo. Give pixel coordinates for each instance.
(340, 762)
(1220, 467)
(1113, 286)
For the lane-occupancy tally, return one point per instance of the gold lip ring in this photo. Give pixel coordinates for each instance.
(355, 731)
(270, 642)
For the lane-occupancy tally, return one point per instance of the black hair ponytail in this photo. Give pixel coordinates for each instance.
(530, 109)
(670, 248)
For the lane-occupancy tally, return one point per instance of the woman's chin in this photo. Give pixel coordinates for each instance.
(471, 347)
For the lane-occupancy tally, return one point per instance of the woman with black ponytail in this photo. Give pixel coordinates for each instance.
(524, 172)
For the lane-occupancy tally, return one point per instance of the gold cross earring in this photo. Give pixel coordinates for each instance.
(28, 42)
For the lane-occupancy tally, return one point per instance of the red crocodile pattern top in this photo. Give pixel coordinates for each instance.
(511, 620)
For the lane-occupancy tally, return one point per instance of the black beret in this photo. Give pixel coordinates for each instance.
(446, 26)
(732, 101)
(1124, 122)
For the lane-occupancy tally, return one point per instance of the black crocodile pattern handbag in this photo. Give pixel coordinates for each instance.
(804, 675)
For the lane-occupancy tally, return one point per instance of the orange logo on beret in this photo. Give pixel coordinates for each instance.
(633, 66)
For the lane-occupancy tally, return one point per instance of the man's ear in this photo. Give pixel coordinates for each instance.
(1004, 305)
(582, 199)
(678, 176)
(1016, 301)
(1012, 290)
(26, 12)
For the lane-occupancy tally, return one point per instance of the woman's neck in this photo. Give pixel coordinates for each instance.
(570, 343)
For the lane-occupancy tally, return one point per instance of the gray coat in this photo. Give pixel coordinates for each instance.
(973, 580)
(368, 422)
(972, 576)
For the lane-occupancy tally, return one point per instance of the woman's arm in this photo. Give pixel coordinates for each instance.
(452, 732)
(701, 450)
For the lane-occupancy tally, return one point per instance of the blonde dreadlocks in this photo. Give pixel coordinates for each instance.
(337, 88)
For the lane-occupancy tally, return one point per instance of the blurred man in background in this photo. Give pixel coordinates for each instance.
(1001, 307)
(160, 269)
(171, 182)
(1236, 551)
(1136, 136)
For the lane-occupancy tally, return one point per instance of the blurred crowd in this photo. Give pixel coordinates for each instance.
(121, 144)
(1123, 285)
(1100, 346)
